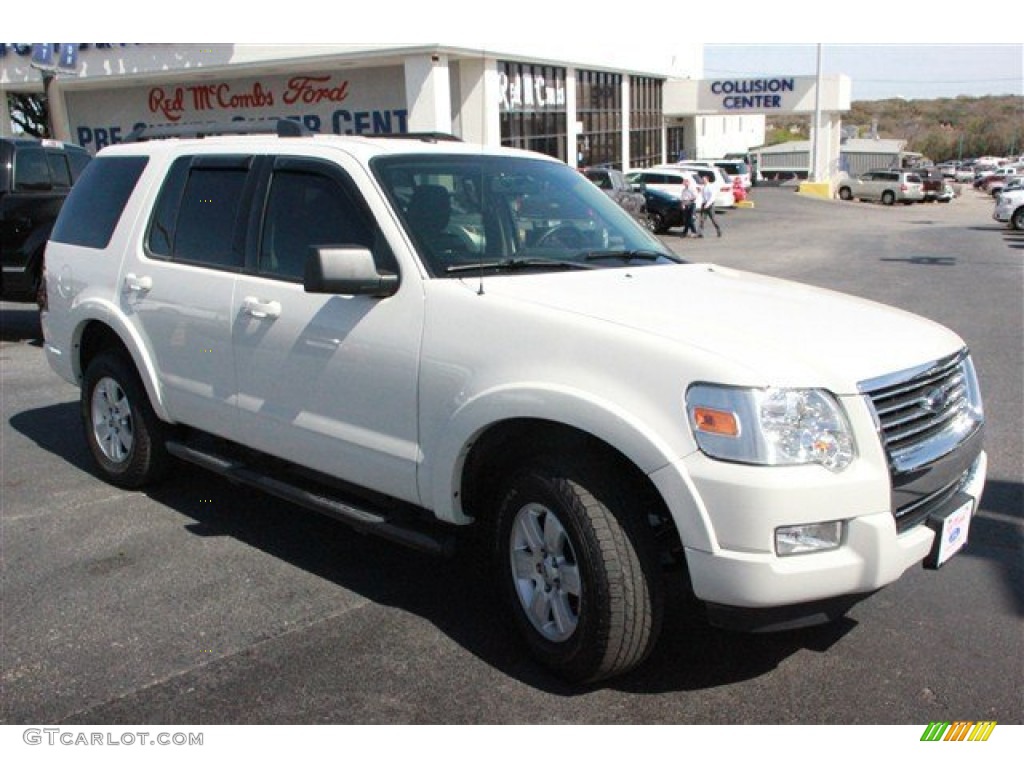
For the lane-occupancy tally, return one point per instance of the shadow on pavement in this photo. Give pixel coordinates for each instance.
(691, 655)
(20, 324)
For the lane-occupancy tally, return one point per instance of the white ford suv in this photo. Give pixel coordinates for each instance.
(464, 347)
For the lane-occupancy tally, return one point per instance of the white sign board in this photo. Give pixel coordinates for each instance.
(356, 101)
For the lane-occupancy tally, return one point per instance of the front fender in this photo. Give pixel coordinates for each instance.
(442, 468)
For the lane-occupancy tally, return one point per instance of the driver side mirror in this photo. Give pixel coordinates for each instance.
(346, 270)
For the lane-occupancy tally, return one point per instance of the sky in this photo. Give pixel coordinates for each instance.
(893, 65)
(881, 71)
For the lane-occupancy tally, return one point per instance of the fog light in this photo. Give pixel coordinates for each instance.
(815, 537)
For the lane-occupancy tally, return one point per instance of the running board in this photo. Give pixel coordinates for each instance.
(363, 520)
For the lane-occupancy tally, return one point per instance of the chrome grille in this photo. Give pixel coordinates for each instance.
(930, 423)
(912, 411)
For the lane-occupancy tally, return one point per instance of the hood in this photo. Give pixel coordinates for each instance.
(772, 332)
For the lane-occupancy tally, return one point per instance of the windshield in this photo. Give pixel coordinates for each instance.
(468, 214)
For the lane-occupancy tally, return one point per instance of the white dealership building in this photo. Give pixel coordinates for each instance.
(586, 104)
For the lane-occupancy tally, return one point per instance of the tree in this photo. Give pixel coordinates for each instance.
(29, 113)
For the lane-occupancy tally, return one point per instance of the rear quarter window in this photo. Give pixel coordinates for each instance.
(92, 210)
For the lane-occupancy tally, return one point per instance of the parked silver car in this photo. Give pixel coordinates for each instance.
(887, 185)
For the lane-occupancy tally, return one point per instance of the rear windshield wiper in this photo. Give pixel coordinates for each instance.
(516, 265)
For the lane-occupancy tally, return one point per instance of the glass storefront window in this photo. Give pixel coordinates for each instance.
(533, 107)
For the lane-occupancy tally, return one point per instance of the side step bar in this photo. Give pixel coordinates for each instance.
(363, 520)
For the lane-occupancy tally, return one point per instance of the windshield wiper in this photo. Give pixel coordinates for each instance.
(628, 255)
(516, 265)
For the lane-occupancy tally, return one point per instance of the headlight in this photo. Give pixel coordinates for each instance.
(770, 426)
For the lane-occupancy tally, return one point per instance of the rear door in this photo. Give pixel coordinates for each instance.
(179, 291)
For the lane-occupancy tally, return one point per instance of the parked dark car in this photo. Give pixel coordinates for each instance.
(663, 210)
(35, 177)
(615, 185)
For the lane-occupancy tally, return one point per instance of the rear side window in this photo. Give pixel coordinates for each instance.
(94, 206)
(31, 171)
(60, 172)
(197, 216)
(78, 160)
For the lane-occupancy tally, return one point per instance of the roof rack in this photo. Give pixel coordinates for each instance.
(283, 128)
(422, 136)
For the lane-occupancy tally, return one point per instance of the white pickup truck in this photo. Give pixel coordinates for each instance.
(475, 350)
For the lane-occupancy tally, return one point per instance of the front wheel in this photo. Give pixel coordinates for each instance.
(845, 193)
(576, 565)
(1017, 219)
(888, 198)
(125, 436)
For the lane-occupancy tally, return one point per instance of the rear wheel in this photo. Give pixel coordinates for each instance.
(888, 198)
(1017, 219)
(575, 563)
(125, 436)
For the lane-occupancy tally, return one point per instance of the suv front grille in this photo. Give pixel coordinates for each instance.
(912, 411)
(929, 420)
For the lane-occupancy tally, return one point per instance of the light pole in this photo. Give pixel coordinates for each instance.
(66, 55)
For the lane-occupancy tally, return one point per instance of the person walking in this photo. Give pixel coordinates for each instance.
(688, 202)
(707, 206)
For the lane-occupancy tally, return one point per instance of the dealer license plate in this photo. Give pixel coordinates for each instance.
(953, 534)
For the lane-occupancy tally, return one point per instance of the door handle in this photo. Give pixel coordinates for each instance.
(133, 282)
(261, 309)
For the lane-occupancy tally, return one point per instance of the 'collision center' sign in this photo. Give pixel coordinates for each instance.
(757, 93)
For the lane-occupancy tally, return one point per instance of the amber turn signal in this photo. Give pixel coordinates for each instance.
(715, 422)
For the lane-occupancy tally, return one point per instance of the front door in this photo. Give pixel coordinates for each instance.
(326, 381)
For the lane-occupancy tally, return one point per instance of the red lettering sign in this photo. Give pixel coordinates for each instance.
(311, 90)
(169, 105)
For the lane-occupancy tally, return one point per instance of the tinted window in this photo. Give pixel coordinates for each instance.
(31, 171)
(208, 217)
(78, 159)
(305, 210)
(94, 206)
(161, 229)
(60, 172)
(735, 169)
(196, 218)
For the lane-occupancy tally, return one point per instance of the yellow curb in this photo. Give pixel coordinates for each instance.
(745, 204)
(816, 189)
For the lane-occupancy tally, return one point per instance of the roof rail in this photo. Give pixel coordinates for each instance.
(283, 128)
(430, 136)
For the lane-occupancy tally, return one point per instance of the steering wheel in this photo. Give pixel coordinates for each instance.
(565, 235)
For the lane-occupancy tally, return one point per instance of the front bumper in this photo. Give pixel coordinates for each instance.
(745, 583)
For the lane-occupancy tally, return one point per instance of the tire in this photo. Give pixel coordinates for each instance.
(1017, 219)
(845, 193)
(888, 198)
(656, 222)
(126, 438)
(575, 564)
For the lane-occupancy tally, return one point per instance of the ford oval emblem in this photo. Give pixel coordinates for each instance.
(934, 400)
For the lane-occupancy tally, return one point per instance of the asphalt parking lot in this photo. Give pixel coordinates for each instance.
(202, 603)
